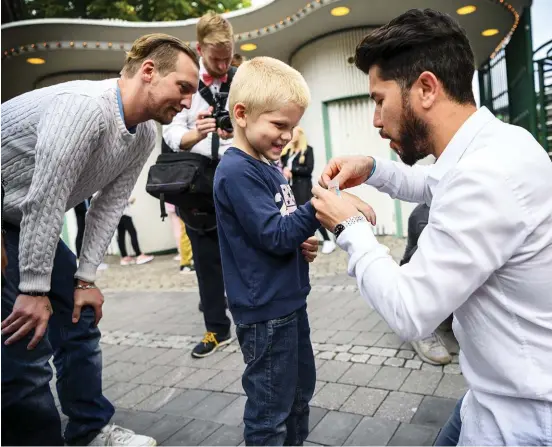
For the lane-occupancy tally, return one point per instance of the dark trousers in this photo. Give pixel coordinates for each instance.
(450, 433)
(279, 379)
(29, 414)
(208, 265)
(80, 214)
(126, 224)
(324, 233)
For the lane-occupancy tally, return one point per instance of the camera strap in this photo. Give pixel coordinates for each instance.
(205, 92)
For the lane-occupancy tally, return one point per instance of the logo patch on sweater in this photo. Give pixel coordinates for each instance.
(289, 205)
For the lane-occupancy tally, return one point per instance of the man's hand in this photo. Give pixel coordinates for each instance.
(363, 207)
(28, 313)
(349, 171)
(90, 297)
(205, 124)
(287, 174)
(225, 135)
(310, 249)
(330, 208)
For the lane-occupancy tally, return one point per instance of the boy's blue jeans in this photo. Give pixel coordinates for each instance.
(279, 379)
(29, 414)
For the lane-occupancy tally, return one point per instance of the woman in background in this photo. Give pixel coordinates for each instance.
(298, 163)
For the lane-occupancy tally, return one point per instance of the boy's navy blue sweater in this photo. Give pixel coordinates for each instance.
(260, 231)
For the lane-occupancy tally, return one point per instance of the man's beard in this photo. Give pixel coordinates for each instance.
(414, 142)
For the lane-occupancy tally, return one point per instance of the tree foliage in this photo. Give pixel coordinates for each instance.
(131, 10)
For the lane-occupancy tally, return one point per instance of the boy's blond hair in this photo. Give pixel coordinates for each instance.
(213, 29)
(264, 84)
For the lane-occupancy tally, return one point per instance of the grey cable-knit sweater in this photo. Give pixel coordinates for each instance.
(60, 145)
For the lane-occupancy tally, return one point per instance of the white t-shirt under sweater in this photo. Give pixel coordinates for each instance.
(60, 145)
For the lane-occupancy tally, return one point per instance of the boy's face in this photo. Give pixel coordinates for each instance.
(271, 131)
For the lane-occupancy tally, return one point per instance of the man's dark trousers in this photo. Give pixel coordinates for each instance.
(29, 414)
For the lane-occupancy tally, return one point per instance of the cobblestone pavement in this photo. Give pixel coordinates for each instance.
(371, 387)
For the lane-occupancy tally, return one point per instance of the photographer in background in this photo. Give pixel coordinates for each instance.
(198, 131)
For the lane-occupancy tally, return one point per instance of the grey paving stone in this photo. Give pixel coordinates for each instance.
(198, 378)
(452, 385)
(184, 402)
(222, 380)
(413, 364)
(138, 421)
(233, 413)
(382, 327)
(376, 360)
(389, 378)
(366, 338)
(332, 396)
(233, 362)
(176, 375)
(343, 337)
(395, 362)
(213, 404)
(315, 416)
(399, 406)
(318, 386)
(153, 375)
(159, 399)
(193, 433)
(170, 357)
(118, 389)
(434, 411)
(367, 324)
(123, 371)
(421, 382)
(372, 431)
(359, 374)
(389, 341)
(236, 387)
(410, 434)
(334, 428)
(321, 335)
(343, 357)
(404, 354)
(452, 369)
(326, 355)
(140, 354)
(364, 401)
(165, 427)
(137, 395)
(332, 370)
(225, 435)
(431, 368)
(210, 361)
(319, 363)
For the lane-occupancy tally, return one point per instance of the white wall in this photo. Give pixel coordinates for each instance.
(325, 66)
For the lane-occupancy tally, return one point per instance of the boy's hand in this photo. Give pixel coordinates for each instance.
(310, 249)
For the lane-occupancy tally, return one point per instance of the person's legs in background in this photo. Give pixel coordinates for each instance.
(208, 265)
(121, 233)
(176, 225)
(186, 264)
(328, 246)
(80, 214)
(141, 258)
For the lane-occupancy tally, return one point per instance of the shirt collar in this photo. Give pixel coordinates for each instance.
(459, 143)
(203, 70)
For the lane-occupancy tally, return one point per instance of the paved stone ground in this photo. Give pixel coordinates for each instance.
(371, 387)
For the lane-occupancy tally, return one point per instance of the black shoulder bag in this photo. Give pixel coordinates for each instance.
(185, 179)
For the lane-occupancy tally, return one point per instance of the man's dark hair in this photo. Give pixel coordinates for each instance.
(418, 41)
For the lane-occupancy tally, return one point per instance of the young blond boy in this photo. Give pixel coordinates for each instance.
(261, 231)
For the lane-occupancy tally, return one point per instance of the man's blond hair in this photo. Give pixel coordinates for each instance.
(213, 29)
(162, 49)
(264, 84)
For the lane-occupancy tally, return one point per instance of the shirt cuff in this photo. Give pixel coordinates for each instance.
(31, 282)
(357, 237)
(376, 178)
(86, 271)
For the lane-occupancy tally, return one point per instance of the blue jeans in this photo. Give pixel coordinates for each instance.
(29, 414)
(279, 379)
(450, 433)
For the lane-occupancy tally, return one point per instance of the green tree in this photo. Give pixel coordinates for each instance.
(132, 10)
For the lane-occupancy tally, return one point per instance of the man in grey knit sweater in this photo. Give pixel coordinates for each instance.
(60, 145)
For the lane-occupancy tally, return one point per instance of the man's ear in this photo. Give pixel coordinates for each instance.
(147, 70)
(428, 88)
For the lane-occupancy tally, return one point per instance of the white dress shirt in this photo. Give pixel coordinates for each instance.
(486, 255)
(186, 120)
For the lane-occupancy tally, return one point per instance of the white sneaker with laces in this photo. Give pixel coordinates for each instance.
(432, 350)
(328, 247)
(113, 435)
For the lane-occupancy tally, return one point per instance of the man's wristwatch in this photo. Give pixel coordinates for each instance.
(347, 223)
(34, 293)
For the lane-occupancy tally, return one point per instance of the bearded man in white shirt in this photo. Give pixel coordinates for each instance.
(486, 253)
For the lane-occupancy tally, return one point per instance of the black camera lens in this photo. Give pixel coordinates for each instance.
(225, 123)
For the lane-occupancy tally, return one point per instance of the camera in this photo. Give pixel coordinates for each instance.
(221, 115)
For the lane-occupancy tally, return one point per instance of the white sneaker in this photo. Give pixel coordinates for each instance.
(103, 266)
(143, 259)
(328, 247)
(176, 258)
(113, 435)
(432, 350)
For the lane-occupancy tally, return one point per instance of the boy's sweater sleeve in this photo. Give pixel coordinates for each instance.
(254, 206)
